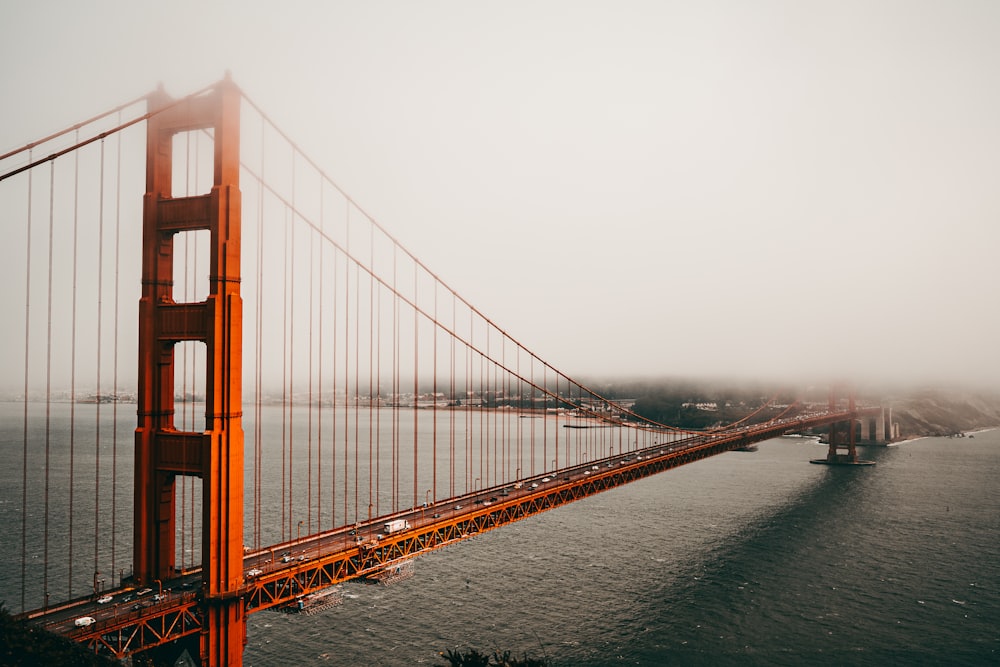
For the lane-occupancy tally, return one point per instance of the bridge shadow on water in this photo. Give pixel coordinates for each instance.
(840, 572)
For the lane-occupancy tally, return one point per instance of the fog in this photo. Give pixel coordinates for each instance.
(769, 190)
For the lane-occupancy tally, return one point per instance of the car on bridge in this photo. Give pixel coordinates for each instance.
(105, 599)
(84, 621)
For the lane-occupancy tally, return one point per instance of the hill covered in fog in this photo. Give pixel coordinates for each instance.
(698, 405)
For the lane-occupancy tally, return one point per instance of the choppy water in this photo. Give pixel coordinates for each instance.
(747, 558)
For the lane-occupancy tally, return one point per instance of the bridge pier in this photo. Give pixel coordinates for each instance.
(843, 439)
(880, 429)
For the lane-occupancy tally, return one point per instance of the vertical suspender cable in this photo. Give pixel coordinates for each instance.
(378, 412)
(319, 372)
(72, 363)
(309, 393)
(291, 364)
(259, 352)
(114, 379)
(284, 385)
(469, 459)
(357, 384)
(371, 360)
(434, 397)
(378, 391)
(48, 384)
(357, 343)
(395, 384)
(416, 388)
(481, 411)
(347, 382)
(485, 416)
(291, 360)
(333, 414)
(100, 318)
(451, 401)
(27, 349)
(555, 416)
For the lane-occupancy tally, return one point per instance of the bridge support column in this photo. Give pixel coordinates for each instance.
(843, 438)
(216, 453)
(880, 433)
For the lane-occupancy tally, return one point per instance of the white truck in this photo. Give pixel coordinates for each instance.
(395, 526)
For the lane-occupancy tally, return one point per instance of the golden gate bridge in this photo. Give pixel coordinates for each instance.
(313, 404)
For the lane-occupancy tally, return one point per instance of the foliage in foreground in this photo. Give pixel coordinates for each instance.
(22, 644)
(473, 658)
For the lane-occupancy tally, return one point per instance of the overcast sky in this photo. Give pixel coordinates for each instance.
(730, 188)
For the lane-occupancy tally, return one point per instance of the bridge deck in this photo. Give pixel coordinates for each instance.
(279, 574)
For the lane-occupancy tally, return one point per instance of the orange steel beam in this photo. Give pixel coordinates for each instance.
(142, 630)
(285, 584)
(215, 454)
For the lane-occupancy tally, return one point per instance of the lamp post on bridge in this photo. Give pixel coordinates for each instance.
(298, 533)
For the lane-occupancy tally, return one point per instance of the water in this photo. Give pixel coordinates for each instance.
(747, 558)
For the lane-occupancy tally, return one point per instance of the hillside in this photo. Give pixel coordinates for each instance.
(944, 412)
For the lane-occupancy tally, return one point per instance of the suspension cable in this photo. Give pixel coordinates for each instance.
(74, 128)
(98, 137)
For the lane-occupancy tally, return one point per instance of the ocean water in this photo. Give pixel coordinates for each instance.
(744, 559)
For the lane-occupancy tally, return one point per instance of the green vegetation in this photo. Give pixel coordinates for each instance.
(23, 645)
(702, 405)
(473, 658)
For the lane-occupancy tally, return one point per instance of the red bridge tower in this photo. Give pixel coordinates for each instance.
(162, 452)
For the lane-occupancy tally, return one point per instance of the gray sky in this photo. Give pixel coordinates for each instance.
(750, 189)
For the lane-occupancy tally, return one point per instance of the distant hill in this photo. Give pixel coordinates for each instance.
(919, 412)
(935, 412)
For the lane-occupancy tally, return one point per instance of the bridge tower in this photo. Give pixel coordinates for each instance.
(843, 437)
(162, 452)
